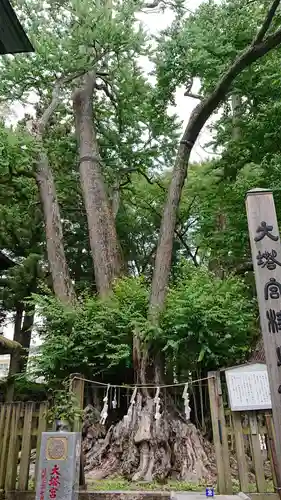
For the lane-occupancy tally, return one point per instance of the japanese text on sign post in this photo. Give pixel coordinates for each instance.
(266, 256)
(58, 477)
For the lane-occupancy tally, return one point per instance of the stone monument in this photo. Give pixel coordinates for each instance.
(59, 466)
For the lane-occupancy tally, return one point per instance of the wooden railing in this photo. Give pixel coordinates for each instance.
(21, 427)
(246, 437)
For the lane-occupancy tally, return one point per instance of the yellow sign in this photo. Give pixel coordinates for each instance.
(57, 448)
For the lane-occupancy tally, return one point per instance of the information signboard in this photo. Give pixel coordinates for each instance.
(248, 388)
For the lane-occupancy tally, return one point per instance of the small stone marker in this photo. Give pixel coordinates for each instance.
(210, 492)
(59, 466)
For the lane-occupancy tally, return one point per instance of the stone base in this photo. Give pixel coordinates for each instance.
(141, 495)
(99, 495)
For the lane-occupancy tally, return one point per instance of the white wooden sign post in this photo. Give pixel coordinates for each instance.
(266, 255)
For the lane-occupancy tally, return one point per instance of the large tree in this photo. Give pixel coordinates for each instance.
(86, 72)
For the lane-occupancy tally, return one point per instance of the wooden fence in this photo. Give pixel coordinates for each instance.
(21, 427)
(244, 444)
(243, 441)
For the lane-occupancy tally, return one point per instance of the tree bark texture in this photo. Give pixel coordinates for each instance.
(145, 449)
(102, 231)
(62, 283)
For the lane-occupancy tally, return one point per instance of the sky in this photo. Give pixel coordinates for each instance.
(154, 22)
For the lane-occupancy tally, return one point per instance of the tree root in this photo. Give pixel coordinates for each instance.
(146, 449)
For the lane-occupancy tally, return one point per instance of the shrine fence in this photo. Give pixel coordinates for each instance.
(243, 441)
(244, 446)
(21, 427)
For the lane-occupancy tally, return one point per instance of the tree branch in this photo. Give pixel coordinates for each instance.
(244, 268)
(126, 182)
(105, 88)
(177, 232)
(152, 5)
(199, 117)
(204, 110)
(151, 181)
(187, 248)
(43, 121)
(194, 96)
(267, 22)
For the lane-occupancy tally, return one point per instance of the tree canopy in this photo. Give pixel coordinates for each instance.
(209, 308)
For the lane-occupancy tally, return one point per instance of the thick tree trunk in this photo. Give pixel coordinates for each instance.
(62, 284)
(164, 251)
(102, 231)
(143, 448)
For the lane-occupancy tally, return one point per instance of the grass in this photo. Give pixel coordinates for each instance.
(252, 487)
(122, 484)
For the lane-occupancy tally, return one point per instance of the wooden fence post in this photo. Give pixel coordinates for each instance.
(42, 426)
(77, 386)
(219, 433)
(240, 452)
(272, 452)
(224, 436)
(216, 430)
(26, 447)
(5, 444)
(12, 460)
(256, 453)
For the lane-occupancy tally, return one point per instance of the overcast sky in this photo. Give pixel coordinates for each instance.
(184, 105)
(156, 22)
